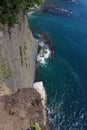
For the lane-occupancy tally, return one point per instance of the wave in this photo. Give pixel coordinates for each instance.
(60, 120)
(44, 53)
(32, 15)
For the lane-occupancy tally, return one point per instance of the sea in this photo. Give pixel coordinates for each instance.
(64, 76)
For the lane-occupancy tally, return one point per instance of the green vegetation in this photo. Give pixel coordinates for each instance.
(21, 55)
(36, 127)
(5, 72)
(9, 9)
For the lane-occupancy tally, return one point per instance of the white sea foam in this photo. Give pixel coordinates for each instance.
(39, 35)
(44, 53)
(30, 12)
(41, 44)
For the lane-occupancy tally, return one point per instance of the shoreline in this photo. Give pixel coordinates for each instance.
(45, 48)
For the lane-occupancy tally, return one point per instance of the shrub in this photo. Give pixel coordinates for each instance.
(36, 127)
(9, 9)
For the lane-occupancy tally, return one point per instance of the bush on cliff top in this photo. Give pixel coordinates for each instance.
(36, 127)
(9, 9)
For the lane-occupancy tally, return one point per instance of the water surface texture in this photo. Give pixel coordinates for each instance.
(65, 77)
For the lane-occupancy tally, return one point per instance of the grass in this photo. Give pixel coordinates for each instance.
(21, 55)
(36, 127)
(5, 72)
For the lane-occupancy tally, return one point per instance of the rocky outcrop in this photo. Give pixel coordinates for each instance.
(4, 90)
(21, 110)
(18, 51)
(41, 90)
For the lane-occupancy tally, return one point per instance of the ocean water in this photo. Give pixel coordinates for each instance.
(65, 76)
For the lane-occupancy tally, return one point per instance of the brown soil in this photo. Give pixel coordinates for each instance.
(21, 110)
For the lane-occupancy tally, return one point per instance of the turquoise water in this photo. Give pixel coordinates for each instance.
(65, 77)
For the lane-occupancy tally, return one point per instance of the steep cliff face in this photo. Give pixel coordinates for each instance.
(25, 108)
(18, 51)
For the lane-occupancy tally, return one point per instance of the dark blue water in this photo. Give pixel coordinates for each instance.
(65, 77)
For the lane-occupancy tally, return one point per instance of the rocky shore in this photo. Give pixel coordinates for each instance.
(45, 48)
(57, 10)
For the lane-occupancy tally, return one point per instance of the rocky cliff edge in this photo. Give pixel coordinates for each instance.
(21, 110)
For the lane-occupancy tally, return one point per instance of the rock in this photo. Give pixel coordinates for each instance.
(18, 50)
(4, 90)
(19, 111)
(58, 11)
(41, 90)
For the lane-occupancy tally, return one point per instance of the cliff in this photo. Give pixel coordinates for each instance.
(18, 51)
(21, 110)
(21, 106)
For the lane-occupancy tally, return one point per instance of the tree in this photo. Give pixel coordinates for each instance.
(9, 9)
